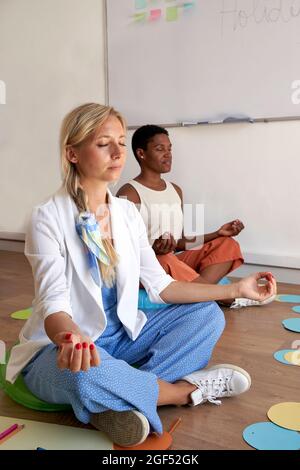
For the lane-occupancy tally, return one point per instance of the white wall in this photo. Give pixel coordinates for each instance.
(246, 171)
(52, 58)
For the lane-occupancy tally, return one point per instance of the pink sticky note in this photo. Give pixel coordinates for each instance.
(155, 14)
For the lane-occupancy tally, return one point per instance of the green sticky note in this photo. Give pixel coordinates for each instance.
(139, 17)
(22, 314)
(172, 14)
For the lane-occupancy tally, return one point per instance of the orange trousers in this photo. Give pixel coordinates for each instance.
(187, 265)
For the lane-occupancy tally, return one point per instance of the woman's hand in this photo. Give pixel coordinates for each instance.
(231, 229)
(76, 352)
(251, 288)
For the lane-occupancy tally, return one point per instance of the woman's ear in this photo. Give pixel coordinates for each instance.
(71, 155)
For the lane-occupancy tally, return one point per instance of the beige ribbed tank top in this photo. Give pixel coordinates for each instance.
(160, 210)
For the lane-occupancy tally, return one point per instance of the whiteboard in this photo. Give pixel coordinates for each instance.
(171, 62)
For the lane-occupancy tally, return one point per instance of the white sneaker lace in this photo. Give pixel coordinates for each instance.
(243, 302)
(213, 389)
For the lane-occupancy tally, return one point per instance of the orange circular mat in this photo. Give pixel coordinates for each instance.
(153, 442)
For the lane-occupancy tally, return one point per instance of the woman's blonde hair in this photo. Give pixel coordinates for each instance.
(77, 126)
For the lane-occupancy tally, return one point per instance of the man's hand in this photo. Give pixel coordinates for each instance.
(164, 244)
(231, 229)
(76, 352)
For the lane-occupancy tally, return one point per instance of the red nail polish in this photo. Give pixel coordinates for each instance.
(92, 346)
(84, 345)
(78, 346)
(68, 336)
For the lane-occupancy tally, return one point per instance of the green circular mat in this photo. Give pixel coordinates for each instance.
(22, 314)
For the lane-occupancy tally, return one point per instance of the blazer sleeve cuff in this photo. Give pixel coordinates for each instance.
(54, 307)
(154, 291)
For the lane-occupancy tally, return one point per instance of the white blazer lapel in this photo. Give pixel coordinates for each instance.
(67, 213)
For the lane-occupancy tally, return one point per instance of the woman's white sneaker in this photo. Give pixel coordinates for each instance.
(219, 381)
(125, 428)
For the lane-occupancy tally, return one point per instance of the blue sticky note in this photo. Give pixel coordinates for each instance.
(268, 436)
(140, 4)
(296, 309)
(188, 5)
(293, 299)
(292, 324)
(279, 356)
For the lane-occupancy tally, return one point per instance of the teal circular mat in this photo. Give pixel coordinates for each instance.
(292, 324)
(293, 299)
(268, 436)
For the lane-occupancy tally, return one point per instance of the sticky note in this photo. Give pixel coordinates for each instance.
(268, 436)
(188, 5)
(140, 4)
(172, 14)
(286, 415)
(155, 14)
(139, 17)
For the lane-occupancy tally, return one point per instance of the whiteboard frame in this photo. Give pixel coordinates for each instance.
(178, 124)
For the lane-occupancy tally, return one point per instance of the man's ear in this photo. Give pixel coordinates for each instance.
(140, 154)
(71, 155)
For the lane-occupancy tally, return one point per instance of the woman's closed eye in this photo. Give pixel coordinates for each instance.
(122, 144)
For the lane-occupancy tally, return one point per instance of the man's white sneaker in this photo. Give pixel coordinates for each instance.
(241, 302)
(219, 381)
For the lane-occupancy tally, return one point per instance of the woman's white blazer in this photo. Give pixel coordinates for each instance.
(63, 282)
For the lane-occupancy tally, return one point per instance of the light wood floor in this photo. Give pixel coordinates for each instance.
(251, 337)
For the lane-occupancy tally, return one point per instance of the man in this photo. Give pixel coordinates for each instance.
(161, 205)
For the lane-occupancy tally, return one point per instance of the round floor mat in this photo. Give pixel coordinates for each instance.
(293, 357)
(153, 442)
(22, 314)
(268, 436)
(292, 324)
(293, 299)
(280, 356)
(286, 415)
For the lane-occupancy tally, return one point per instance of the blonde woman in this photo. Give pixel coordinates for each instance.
(88, 251)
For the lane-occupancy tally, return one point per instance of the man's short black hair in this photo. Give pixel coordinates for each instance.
(142, 136)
